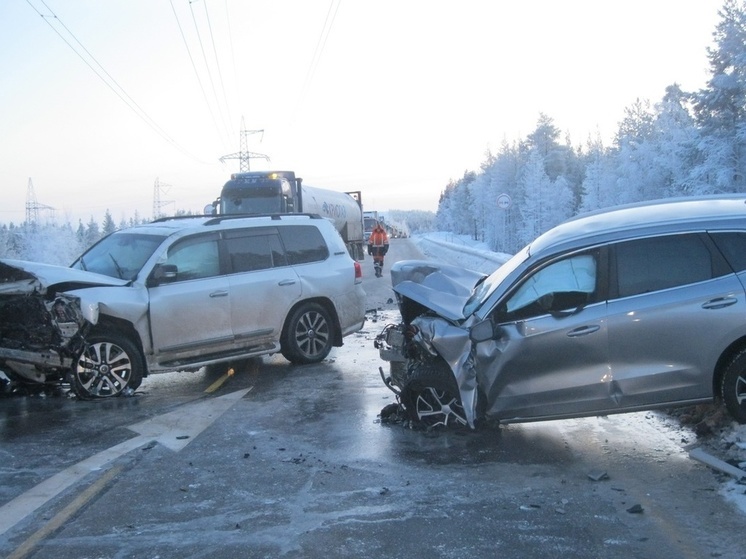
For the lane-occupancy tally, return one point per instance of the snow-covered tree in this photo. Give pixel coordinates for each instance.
(544, 202)
(108, 226)
(675, 143)
(634, 154)
(721, 107)
(600, 179)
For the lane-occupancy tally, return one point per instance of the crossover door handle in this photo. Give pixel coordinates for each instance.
(583, 331)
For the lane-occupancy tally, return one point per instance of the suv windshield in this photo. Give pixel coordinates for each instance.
(120, 255)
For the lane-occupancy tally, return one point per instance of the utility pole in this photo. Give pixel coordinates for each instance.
(32, 204)
(245, 156)
(158, 203)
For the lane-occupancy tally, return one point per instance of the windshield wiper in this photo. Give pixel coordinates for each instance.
(120, 272)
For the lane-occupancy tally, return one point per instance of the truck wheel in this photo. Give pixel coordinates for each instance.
(307, 336)
(109, 365)
(431, 396)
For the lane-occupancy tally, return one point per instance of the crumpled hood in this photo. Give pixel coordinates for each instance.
(19, 276)
(439, 287)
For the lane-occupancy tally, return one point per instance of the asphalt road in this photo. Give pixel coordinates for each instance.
(285, 461)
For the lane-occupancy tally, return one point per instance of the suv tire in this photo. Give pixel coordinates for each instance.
(308, 335)
(109, 365)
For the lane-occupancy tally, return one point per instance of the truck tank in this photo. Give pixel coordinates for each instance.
(341, 208)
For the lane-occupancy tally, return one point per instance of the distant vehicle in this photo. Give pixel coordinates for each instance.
(370, 219)
(178, 294)
(630, 309)
(281, 192)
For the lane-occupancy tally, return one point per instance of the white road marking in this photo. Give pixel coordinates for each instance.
(173, 430)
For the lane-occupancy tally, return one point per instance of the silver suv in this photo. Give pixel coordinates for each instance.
(630, 309)
(178, 294)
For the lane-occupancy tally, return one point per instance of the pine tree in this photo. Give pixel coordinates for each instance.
(108, 226)
(721, 107)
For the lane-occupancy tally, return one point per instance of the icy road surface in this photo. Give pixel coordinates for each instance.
(299, 466)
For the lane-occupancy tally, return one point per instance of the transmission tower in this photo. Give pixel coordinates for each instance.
(158, 202)
(245, 156)
(32, 204)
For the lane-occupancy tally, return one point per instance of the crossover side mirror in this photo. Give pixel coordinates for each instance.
(482, 331)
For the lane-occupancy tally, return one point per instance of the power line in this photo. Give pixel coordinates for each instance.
(121, 93)
(331, 15)
(217, 64)
(196, 73)
(233, 50)
(207, 67)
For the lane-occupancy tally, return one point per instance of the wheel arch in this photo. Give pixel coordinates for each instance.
(108, 323)
(328, 307)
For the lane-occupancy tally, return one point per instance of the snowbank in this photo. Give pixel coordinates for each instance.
(460, 250)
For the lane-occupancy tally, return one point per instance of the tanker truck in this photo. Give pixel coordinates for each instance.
(281, 192)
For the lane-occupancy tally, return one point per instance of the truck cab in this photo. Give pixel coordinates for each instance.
(276, 192)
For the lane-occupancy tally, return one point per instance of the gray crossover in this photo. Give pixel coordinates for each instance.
(634, 308)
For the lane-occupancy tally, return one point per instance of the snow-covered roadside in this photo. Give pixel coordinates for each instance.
(730, 445)
(460, 250)
(726, 440)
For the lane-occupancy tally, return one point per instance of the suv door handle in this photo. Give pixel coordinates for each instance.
(720, 303)
(219, 294)
(287, 282)
(583, 330)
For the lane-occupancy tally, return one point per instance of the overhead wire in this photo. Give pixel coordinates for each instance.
(207, 66)
(119, 91)
(217, 65)
(233, 50)
(196, 73)
(331, 15)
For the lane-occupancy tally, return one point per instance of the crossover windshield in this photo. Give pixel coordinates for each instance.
(487, 287)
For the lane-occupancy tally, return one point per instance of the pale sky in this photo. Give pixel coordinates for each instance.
(390, 97)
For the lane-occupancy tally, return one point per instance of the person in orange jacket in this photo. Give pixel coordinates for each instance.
(378, 246)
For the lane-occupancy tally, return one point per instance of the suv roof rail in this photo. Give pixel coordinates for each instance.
(215, 219)
(220, 218)
(178, 217)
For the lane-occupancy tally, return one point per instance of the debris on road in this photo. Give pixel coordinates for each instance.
(715, 463)
(598, 476)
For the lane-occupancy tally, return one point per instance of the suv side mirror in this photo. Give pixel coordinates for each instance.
(482, 331)
(162, 273)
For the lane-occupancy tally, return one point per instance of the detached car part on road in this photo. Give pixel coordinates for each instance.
(635, 308)
(178, 294)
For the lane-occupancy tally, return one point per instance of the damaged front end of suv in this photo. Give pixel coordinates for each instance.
(430, 351)
(42, 328)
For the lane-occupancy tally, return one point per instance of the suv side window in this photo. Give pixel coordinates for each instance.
(195, 257)
(656, 263)
(303, 244)
(733, 247)
(248, 252)
(562, 285)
